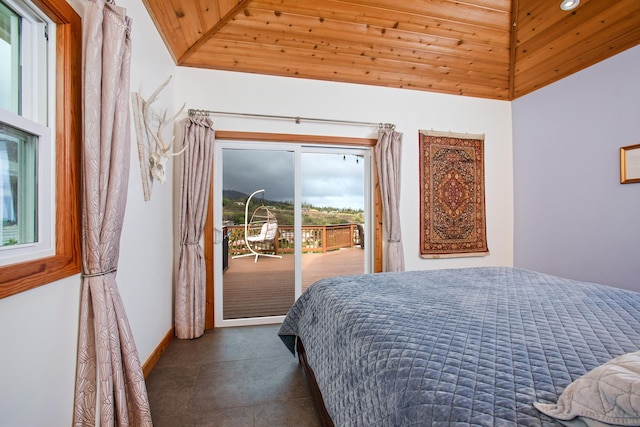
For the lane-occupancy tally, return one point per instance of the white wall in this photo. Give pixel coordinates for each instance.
(38, 328)
(38, 332)
(409, 110)
(145, 274)
(573, 217)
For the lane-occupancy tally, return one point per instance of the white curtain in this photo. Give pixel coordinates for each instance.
(109, 378)
(197, 166)
(388, 159)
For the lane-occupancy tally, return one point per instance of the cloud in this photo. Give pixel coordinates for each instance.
(251, 170)
(328, 180)
(333, 180)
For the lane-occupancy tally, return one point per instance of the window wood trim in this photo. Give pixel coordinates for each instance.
(66, 261)
(222, 135)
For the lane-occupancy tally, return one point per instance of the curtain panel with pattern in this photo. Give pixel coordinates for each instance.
(110, 386)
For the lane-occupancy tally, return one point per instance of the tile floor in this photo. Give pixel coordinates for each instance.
(238, 377)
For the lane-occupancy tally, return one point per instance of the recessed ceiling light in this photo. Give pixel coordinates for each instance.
(569, 4)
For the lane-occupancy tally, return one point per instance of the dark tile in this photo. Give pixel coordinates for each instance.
(172, 377)
(167, 405)
(228, 417)
(178, 353)
(240, 376)
(171, 421)
(169, 390)
(250, 382)
(294, 413)
(239, 343)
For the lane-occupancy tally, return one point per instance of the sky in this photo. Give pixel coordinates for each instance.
(5, 76)
(328, 180)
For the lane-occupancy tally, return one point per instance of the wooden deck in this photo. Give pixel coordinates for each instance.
(266, 287)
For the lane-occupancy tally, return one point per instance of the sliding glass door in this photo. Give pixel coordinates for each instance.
(285, 216)
(333, 201)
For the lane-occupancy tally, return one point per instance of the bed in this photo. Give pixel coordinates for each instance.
(487, 346)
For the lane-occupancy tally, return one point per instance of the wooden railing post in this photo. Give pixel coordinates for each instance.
(275, 242)
(324, 239)
(351, 232)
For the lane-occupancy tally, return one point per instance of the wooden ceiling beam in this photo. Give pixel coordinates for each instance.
(529, 80)
(433, 83)
(304, 61)
(464, 12)
(397, 52)
(362, 14)
(572, 28)
(308, 27)
(564, 47)
(239, 7)
(465, 47)
(163, 16)
(540, 16)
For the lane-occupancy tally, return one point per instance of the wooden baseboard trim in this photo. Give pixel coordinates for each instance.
(155, 355)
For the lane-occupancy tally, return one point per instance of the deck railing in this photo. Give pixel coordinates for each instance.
(320, 238)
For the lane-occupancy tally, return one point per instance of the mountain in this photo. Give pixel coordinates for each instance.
(234, 195)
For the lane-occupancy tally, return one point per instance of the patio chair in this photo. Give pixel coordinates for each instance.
(268, 233)
(265, 221)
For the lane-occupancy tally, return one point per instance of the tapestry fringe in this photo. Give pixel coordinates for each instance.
(455, 255)
(436, 133)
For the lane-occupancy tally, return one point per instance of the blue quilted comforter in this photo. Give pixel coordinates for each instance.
(456, 347)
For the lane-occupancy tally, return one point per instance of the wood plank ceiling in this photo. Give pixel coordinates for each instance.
(469, 47)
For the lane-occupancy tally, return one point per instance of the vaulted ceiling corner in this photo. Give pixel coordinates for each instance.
(479, 48)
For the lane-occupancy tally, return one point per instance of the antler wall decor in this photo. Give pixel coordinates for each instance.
(153, 152)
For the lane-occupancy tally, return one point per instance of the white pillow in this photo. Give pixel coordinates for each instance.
(607, 395)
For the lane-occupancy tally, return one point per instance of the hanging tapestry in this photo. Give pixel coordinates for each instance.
(452, 206)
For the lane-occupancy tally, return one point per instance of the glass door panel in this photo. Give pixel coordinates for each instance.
(258, 278)
(333, 214)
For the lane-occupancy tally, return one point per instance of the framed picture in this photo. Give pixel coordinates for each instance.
(630, 164)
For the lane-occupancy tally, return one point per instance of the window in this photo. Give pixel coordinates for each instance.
(19, 29)
(9, 55)
(18, 189)
(39, 143)
(26, 155)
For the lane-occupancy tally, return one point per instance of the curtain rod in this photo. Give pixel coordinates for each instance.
(193, 112)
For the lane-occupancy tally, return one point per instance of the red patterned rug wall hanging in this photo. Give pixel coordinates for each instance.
(452, 205)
